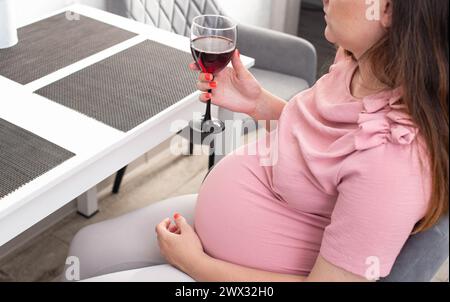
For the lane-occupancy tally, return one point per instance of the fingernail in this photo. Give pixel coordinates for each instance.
(176, 215)
(213, 84)
(208, 96)
(209, 77)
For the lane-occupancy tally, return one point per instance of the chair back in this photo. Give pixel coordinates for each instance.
(422, 255)
(171, 15)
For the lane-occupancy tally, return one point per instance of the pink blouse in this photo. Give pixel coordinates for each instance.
(348, 180)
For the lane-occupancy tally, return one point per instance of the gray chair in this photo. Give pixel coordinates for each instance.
(422, 255)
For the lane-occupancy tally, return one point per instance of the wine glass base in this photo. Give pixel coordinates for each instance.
(213, 126)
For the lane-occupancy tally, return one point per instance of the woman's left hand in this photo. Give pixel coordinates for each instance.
(179, 243)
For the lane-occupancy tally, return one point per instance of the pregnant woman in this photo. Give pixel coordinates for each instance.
(361, 164)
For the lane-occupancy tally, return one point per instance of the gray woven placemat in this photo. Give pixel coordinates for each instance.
(54, 43)
(128, 88)
(25, 156)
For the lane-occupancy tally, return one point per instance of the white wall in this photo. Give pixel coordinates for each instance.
(254, 12)
(29, 10)
(281, 15)
(286, 15)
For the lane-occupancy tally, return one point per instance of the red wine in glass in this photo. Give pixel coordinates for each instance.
(212, 53)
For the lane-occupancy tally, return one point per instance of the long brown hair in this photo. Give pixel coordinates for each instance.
(414, 55)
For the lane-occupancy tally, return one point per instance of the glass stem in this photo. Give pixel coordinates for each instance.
(207, 116)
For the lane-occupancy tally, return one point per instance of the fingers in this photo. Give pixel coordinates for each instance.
(166, 225)
(206, 77)
(205, 86)
(204, 97)
(181, 222)
(162, 227)
(203, 76)
(193, 66)
(174, 229)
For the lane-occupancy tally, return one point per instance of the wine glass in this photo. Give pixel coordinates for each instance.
(213, 42)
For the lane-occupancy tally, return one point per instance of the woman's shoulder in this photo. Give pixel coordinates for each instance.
(389, 153)
(405, 164)
(389, 176)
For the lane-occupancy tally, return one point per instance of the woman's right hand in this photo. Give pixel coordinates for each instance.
(233, 88)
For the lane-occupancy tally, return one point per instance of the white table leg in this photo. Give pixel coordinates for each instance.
(87, 203)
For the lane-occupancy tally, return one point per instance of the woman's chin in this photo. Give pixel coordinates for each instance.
(329, 36)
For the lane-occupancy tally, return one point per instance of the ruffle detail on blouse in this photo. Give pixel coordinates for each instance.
(384, 120)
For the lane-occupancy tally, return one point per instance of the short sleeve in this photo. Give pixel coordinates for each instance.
(383, 193)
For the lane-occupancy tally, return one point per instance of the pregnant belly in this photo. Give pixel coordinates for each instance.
(240, 220)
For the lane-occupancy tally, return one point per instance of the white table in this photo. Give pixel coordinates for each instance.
(100, 150)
